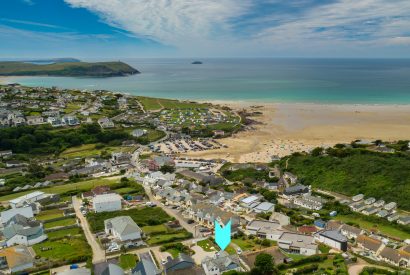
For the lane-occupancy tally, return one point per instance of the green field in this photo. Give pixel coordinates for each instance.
(87, 150)
(383, 228)
(154, 104)
(144, 216)
(60, 189)
(49, 214)
(154, 229)
(169, 237)
(68, 221)
(73, 249)
(207, 245)
(65, 232)
(246, 244)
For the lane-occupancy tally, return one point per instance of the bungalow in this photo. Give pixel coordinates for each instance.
(309, 202)
(390, 256)
(16, 258)
(34, 120)
(264, 229)
(369, 244)
(393, 217)
(333, 239)
(221, 263)
(105, 122)
(358, 206)
(370, 201)
(27, 199)
(351, 232)
(383, 213)
(146, 266)
(123, 228)
(379, 203)
(7, 215)
(370, 210)
(264, 207)
(297, 244)
(390, 206)
(182, 262)
(358, 197)
(295, 190)
(404, 220)
(248, 201)
(107, 203)
(206, 214)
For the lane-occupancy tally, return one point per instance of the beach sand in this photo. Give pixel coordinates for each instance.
(291, 127)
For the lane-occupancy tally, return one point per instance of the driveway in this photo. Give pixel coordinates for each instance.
(98, 252)
(200, 254)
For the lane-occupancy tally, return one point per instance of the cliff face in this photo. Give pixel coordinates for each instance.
(95, 69)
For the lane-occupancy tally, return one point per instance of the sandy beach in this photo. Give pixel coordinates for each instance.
(290, 127)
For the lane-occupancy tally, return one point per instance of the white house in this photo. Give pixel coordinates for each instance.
(270, 230)
(332, 238)
(27, 199)
(123, 228)
(107, 203)
(298, 244)
(222, 262)
(25, 235)
(16, 258)
(24, 211)
(351, 232)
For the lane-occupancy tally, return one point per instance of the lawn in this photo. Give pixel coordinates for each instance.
(166, 238)
(142, 216)
(73, 249)
(81, 186)
(383, 228)
(50, 214)
(68, 221)
(207, 245)
(126, 191)
(87, 150)
(65, 232)
(174, 252)
(245, 244)
(128, 261)
(154, 229)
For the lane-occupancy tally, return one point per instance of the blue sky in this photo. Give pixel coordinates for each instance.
(204, 28)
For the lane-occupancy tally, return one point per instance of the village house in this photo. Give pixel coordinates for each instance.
(270, 230)
(182, 262)
(105, 123)
(206, 214)
(158, 161)
(369, 244)
(26, 211)
(390, 255)
(16, 258)
(295, 190)
(124, 229)
(358, 197)
(28, 199)
(297, 244)
(20, 230)
(34, 120)
(99, 190)
(107, 203)
(390, 206)
(332, 238)
(309, 202)
(351, 232)
(220, 263)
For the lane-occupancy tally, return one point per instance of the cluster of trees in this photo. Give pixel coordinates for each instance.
(46, 140)
(351, 171)
(264, 265)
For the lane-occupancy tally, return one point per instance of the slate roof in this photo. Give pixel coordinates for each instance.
(145, 267)
(369, 243)
(181, 258)
(390, 254)
(17, 255)
(123, 225)
(112, 269)
(222, 262)
(16, 229)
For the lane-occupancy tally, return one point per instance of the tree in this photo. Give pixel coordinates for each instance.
(167, 169)
(264, 264)
(317, 151)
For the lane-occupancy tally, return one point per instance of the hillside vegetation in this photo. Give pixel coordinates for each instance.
(353, 171)
(95, 69)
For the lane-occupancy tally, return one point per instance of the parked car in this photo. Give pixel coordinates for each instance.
(190, 221)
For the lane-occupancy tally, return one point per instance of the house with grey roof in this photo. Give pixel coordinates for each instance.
(297, 244)
(145, 267)
(123, 228)
(270, 230)
(22, 233)
(220, 263)
(112, 269)
(295, 190)
(332, 238)
(351, 232)
(183, 261)
(264, 207)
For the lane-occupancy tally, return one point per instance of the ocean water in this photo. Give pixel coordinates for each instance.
(369, 81)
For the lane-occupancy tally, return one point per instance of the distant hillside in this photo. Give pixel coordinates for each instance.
(354, 171)
(94, 69)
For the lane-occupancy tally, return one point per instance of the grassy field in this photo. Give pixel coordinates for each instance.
(383, 228)
(127, 261)
(65, 232)
(207, 245)
(153, 104)
(81, 186)
(49, 214)
(154, 229)
(68, 221)
(169, 237)
(245, 244)
(143, 217)
(63, 250)
(87, 150)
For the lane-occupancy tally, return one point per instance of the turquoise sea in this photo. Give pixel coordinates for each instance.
(371, 81)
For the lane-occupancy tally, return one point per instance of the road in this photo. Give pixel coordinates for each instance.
(190, 228)
(98, 252)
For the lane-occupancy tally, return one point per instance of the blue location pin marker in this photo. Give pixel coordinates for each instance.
(222, 235)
